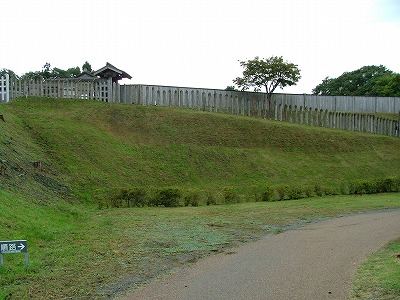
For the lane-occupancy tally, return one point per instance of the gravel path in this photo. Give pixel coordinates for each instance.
(317, 261)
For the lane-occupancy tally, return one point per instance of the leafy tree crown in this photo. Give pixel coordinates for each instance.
(366, 81)
(270, 73)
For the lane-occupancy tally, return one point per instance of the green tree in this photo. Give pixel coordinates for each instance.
(73, 72)
(59, 73)
(87, 67)
(49, 73)
(9, 72)
(230, 88)
(32, 75)
(360, 82)
(45, 73)
(387, 86)
(46, 70)
(70, 73)
(270, 73)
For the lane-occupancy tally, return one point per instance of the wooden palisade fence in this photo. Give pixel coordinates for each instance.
(64, 88)
(4, 88)
(349, 113)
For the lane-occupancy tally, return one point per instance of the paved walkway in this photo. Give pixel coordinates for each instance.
(317, 261)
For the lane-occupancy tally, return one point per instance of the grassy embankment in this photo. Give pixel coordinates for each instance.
(97, 148)
(89, 150)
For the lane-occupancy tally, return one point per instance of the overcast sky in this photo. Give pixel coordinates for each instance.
(198, 43)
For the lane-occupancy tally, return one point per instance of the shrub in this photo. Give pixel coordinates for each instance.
(384, 186)
(282, 191)
(229, 195)
(186, 200)
(211, 200)
(191, 199)
(101, 204)
(362, 187)
(295, 193)
(153, 200)
(319, 191)
(195, 200)
(308, 191)
(396, 184)
(267, 194)
(137, 197)
(330, 191)
(369, 187)
(118, 199)
(353, 188)
(168, 197)
(115, 202)
(344, 189)
(257, 194)
(388, 185)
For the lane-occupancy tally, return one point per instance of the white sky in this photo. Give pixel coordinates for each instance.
(198, 43)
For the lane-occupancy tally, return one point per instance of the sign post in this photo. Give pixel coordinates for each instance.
(18, 246)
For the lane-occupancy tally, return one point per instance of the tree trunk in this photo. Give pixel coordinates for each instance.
(268, 110)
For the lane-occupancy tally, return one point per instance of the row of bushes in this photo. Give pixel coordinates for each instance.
(278, 193)
(388, 185)
(174, 197)
(167, 197)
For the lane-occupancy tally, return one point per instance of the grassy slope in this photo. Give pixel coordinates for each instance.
(90, 148)
(97, 147)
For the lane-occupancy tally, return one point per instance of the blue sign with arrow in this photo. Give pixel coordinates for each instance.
(18, 246)
(13, 247)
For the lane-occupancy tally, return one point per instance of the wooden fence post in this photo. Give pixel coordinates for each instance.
(5, 88)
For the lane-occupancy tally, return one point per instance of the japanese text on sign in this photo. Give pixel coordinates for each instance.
(13, 247)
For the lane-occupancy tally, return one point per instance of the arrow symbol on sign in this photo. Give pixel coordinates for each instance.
(21, 247)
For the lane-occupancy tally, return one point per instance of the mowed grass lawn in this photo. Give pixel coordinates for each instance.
(78, 251)
(379, 276)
